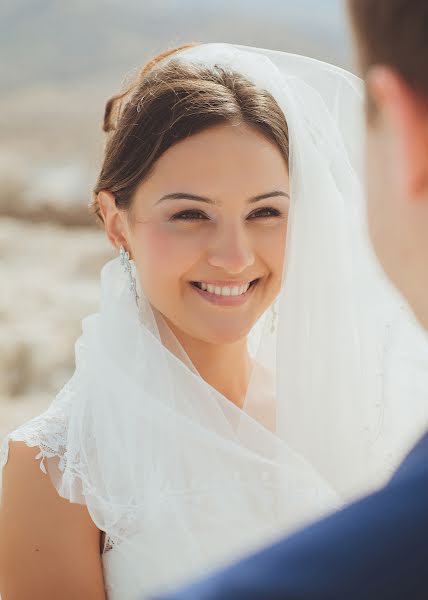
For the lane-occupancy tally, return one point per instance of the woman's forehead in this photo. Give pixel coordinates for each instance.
(220, 158)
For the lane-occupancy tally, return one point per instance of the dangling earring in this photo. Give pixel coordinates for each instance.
(126, 263)
(274, 317)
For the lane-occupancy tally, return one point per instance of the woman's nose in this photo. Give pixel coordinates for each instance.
(231, 250)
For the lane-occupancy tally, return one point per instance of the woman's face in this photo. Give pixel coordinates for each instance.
(208, 232)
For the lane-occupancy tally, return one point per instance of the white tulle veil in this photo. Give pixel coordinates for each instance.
(146, 443)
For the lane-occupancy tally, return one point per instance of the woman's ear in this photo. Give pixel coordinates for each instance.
(114, 219)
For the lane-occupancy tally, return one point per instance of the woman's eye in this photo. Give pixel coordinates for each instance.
(263, 213)
(189, 215)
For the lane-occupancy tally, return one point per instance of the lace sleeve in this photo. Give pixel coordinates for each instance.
(47, 431)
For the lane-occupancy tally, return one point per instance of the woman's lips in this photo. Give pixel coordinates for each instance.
(221, 300)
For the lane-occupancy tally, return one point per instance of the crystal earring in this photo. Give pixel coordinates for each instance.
(274, 317)
(126, 263)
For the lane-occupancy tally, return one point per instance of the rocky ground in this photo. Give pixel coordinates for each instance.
(49, 281)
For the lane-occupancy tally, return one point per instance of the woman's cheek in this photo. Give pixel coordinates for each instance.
(164, 250)
(271, 244)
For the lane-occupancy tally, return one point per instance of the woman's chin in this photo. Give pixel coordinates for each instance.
(220, 335)
(217, 331)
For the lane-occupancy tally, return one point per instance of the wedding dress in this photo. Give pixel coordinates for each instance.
(181, 479)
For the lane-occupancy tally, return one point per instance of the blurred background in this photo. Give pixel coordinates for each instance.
(60, 63)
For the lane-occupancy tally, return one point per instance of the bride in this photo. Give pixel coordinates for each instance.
(240, 377)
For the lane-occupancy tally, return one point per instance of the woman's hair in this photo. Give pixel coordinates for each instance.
(394, 33)
(169, 101)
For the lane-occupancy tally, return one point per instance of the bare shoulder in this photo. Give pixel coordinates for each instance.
(49, 547)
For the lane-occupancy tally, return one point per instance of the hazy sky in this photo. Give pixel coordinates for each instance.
(46, 40)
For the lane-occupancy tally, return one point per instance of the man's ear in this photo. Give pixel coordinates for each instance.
(114, 219)
(405, 113)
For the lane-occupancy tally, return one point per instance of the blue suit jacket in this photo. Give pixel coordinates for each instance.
(375, 549)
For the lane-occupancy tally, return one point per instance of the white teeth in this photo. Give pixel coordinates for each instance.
(236, 290)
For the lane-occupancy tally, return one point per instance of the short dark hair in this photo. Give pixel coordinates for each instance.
(169, 101)
(393, 33)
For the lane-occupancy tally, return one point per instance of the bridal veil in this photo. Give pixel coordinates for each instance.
(175, 472)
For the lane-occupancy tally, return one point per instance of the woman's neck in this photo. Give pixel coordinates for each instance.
(226, 367)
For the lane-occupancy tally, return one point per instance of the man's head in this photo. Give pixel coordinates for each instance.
(392, 40)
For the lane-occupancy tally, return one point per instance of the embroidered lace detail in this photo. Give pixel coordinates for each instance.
(108, 544)
(48, 431)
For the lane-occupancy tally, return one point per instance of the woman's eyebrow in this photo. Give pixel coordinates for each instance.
(187, 196)
(273, 194)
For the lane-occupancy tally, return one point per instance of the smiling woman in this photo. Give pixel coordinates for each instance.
(196, 189)
(225, 230)
(229, 388)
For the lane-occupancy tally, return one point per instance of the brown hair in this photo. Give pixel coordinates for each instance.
(168, 102)
(394, 33)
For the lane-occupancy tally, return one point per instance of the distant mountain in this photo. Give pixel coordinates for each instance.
(51, 41)
(62, 59)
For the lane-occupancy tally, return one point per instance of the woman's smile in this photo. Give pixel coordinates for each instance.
(225, 293)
